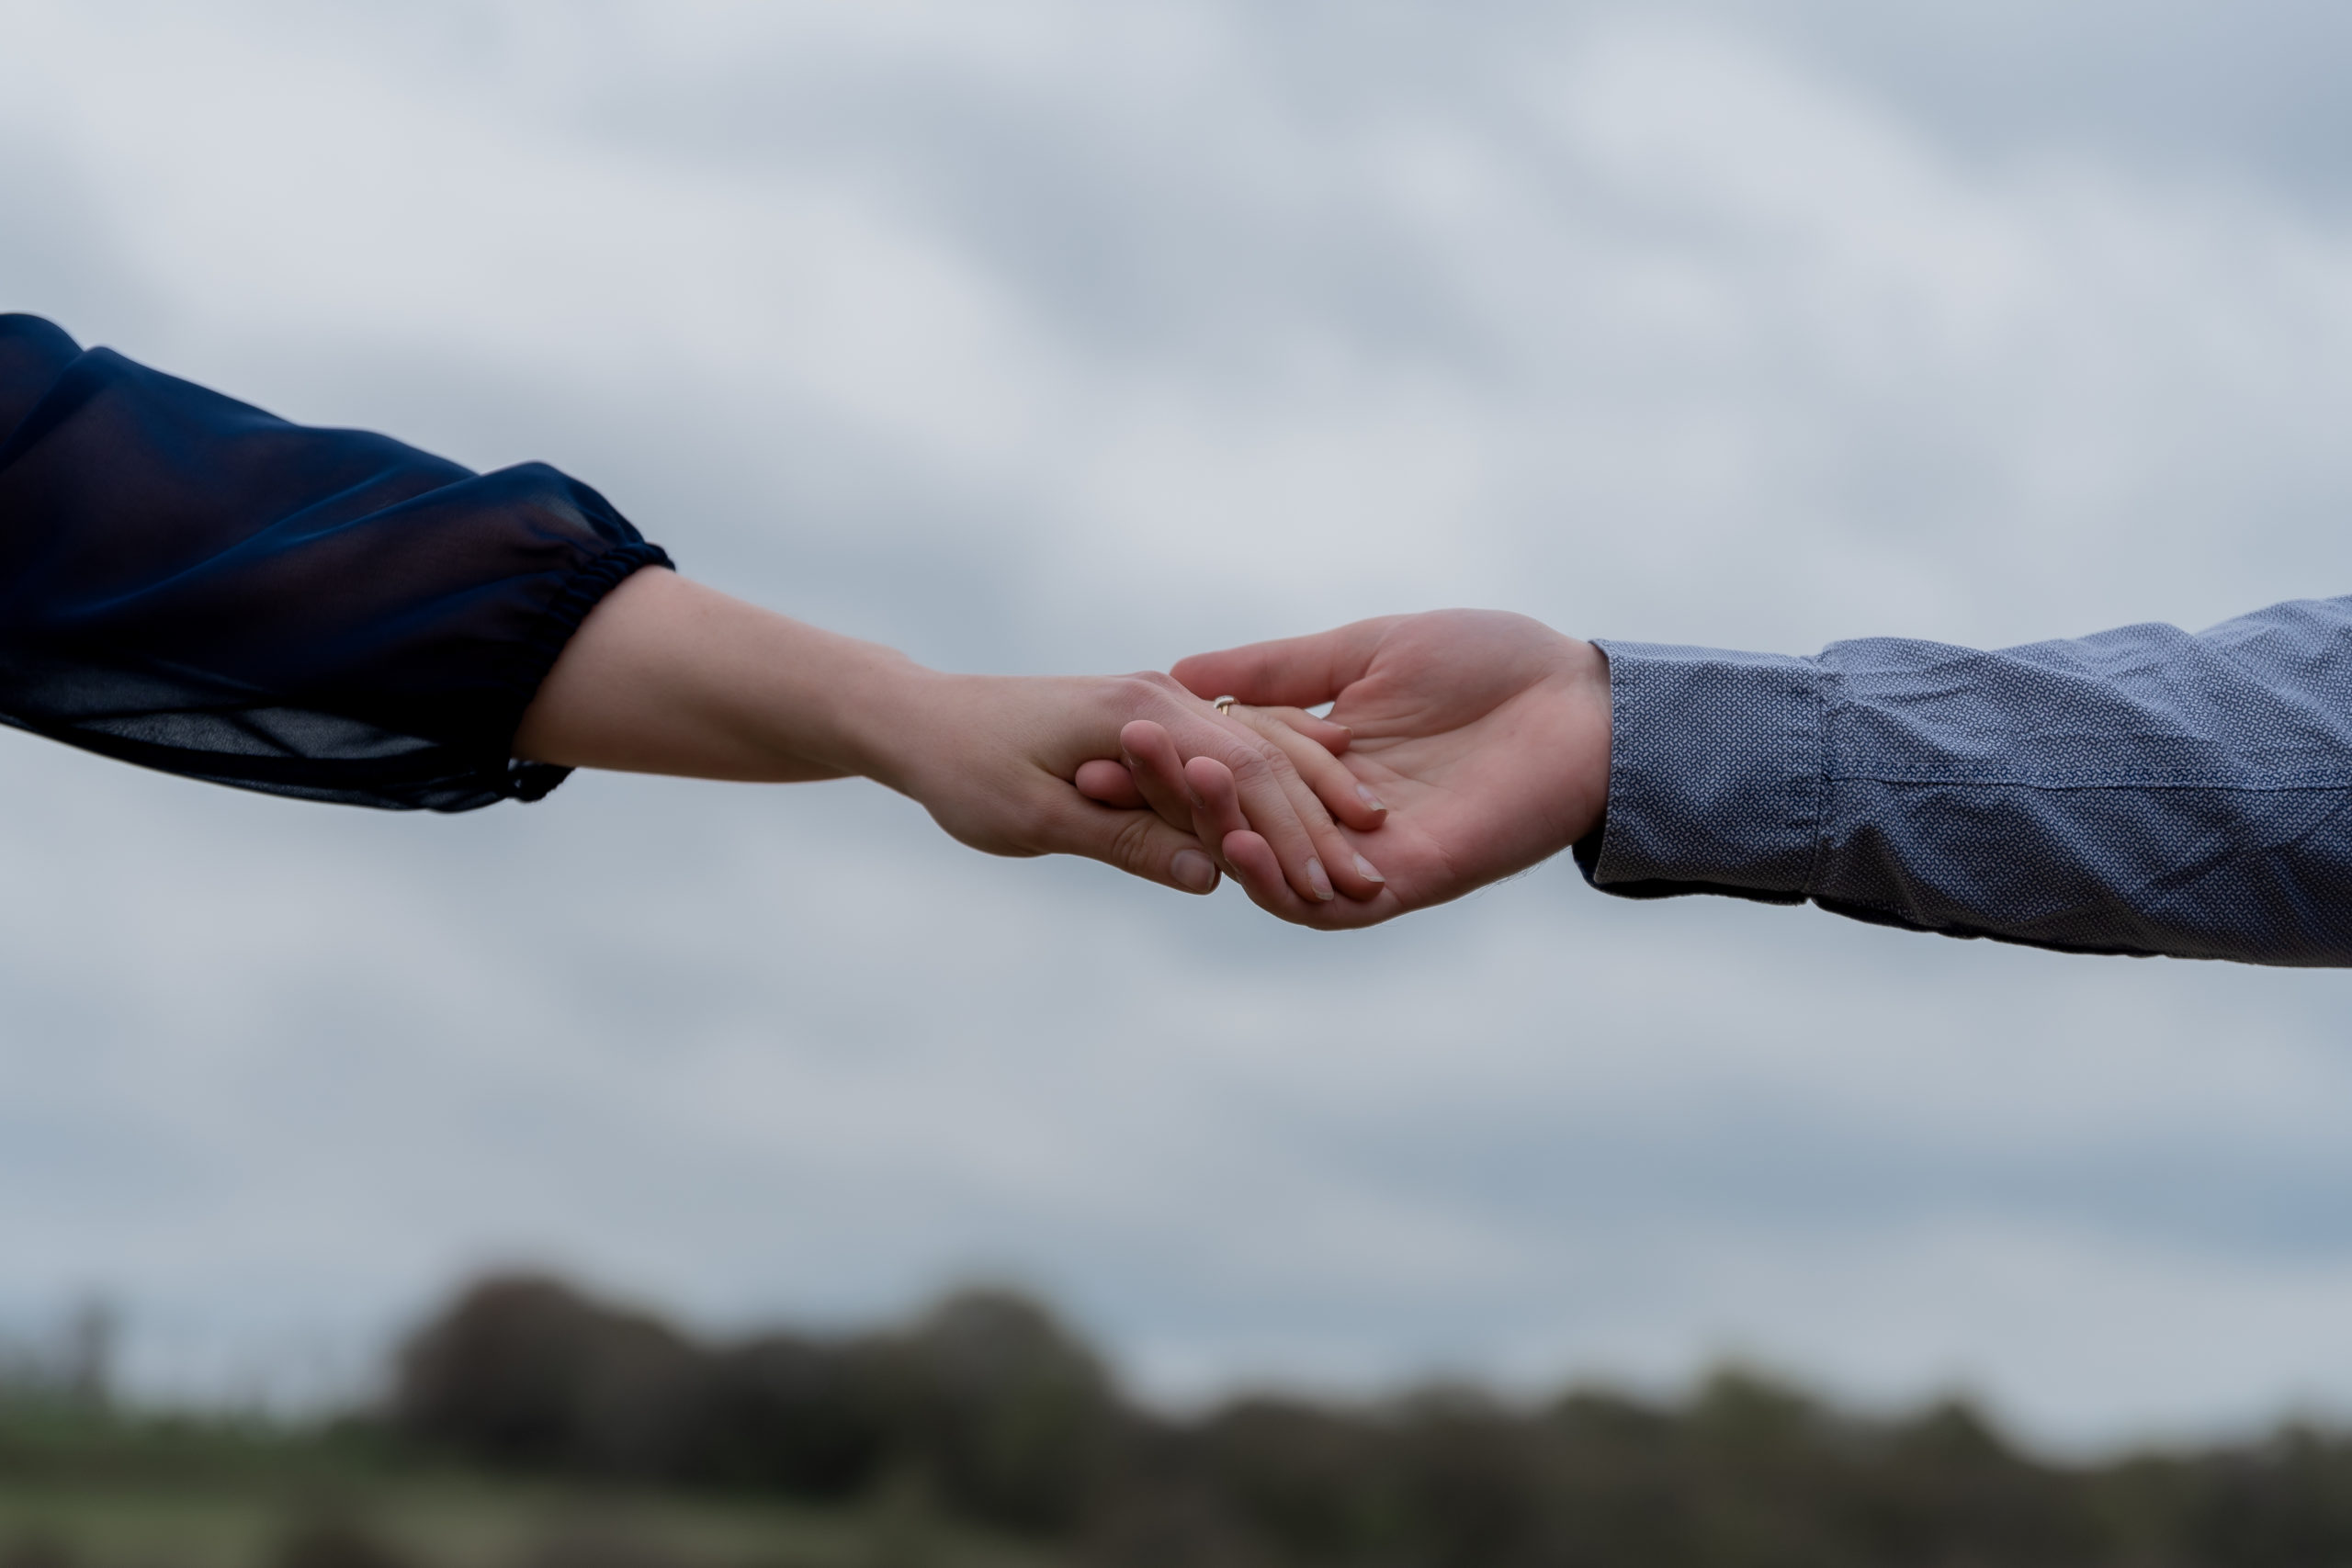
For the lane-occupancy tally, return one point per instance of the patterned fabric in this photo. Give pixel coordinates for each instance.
(2143, 791)
(192, 584)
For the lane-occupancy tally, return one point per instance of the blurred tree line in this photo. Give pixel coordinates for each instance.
(988, 1409)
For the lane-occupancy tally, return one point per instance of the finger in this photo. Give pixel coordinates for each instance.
(1225, 823)
(1276, 802)
(1260, 876)
(1346, 866)
(1299, 671)
(1282, 810)
(1138, 842)
(1257, 788)
(1109, 783)
(1319, 789)
(1333, 737)
(1347, 797)
(1157, 770)
(1220, 815)
(1254, 865)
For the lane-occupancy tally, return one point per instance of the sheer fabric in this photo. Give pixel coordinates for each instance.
(189, 584)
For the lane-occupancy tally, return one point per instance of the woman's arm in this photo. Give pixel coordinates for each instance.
(669, 676)
(193, 584)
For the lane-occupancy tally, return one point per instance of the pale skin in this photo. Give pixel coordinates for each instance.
(1462, 746)
(1485, 734)
(668, 676)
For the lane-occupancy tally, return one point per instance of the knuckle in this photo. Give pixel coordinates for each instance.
(1269, 765)
(1143, 689)
(1250, 767)
(1131, 844)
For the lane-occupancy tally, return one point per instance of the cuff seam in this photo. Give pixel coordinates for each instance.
(536, 654)
(1713, 778)
(1823, 677)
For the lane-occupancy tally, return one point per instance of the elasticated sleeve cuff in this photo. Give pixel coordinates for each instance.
(535, 655)
(1716, 773)
(191, 584)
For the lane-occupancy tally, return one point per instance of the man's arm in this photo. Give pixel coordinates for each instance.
(2142, 791)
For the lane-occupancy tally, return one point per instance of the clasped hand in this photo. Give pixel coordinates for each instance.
(1481, 737)
(1461, 746)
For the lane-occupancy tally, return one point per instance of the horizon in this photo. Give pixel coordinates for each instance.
(1041, 339)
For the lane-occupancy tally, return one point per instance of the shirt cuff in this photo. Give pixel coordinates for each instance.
(1717, 772)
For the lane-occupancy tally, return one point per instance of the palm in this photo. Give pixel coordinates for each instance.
(1485, 734)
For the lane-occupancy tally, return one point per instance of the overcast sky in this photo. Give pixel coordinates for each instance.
(1038, 336)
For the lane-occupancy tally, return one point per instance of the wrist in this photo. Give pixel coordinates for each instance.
(868, 710)
(1588, 723)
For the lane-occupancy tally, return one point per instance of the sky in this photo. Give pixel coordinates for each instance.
(1032, 335)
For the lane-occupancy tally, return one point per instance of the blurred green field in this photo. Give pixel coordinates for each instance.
(454, 1522)
(530, 1426)
(89, 1490)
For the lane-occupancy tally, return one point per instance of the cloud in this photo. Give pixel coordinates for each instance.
(1072, 341)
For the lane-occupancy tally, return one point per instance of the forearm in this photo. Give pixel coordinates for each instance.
(2144, 791)
(668, 676)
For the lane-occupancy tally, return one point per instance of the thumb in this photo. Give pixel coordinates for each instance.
(1137, 841)
(1298, 671)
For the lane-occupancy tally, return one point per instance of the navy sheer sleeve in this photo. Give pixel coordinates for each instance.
(192, 584)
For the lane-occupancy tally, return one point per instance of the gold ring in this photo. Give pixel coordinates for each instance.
(1224, 705)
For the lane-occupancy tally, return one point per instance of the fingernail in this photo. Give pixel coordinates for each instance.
(1194, 871)
(1369, 871)
(1319, 880)
(1364, 793)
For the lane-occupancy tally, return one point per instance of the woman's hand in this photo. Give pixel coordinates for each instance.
(1486, 734)
(668, 676)
(995, 758)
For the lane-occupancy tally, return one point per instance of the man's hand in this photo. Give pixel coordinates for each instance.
(1485, 734)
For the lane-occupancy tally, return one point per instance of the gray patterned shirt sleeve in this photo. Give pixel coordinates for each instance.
(2142, 791)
